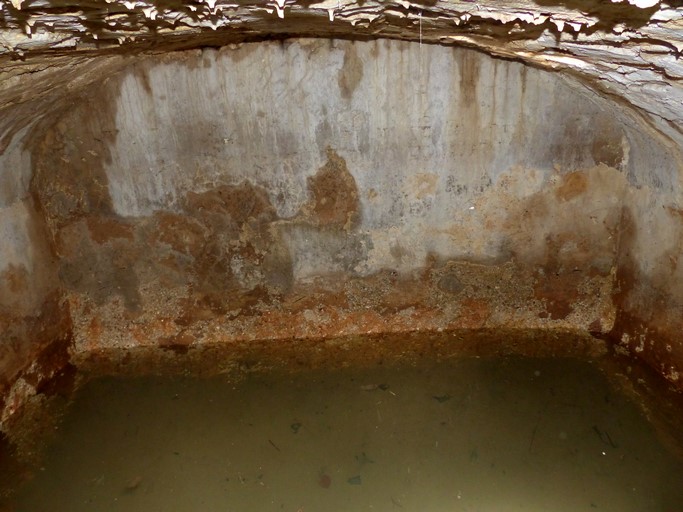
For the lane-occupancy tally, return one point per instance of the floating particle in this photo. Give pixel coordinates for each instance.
(354, 480)
(441, 398)
(324, 480)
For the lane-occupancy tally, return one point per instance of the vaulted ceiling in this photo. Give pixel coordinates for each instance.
(627, 49)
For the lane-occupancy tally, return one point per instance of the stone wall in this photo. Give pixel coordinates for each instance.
(34, 321)
(358, 187)
(319, 189)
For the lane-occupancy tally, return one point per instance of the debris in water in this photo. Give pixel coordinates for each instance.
(354, 480)
(133, 484)
(363, 459)
(324, 480)
(604, 437)
(373, 387)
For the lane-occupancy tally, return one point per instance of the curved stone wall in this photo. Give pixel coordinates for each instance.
(313, 188)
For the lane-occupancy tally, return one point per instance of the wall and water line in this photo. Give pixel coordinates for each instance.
(278, 201)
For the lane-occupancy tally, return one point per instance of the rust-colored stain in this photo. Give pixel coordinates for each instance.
(473, 313)
(104, 229)
(675, 212)
(328, 308)
(559, 292)
(181, 233)
(94, 331)
(573, 185)
(45, 342)
(69, 180)
(230, 205)
(596, 327)
(648, 321)
(179, 343)
(16, 277)
(335, 201)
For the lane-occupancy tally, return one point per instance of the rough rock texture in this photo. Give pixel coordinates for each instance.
(629, 49)
(420, 207)
(34, 321)
(316, 188)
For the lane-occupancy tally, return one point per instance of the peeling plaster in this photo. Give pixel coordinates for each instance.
(618, 47)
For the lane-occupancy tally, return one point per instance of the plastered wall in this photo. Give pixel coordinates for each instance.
(310, 189)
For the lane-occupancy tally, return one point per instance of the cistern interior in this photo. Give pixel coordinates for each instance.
(207, 189)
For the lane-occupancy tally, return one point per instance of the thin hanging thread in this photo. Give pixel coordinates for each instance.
(419, 17)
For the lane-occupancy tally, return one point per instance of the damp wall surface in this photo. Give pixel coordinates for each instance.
(316, 189)
(34, 323)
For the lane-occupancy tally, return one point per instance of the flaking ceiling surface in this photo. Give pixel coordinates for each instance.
(629, 49)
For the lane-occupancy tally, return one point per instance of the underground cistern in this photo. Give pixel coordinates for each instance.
(331, 256)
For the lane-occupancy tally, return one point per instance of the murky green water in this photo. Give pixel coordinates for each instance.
(471, 435)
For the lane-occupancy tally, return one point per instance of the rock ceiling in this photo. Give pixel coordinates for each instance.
(628, 49)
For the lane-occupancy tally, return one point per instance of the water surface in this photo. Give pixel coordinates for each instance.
(500, 435)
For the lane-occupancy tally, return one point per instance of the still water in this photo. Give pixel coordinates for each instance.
(499, 435)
